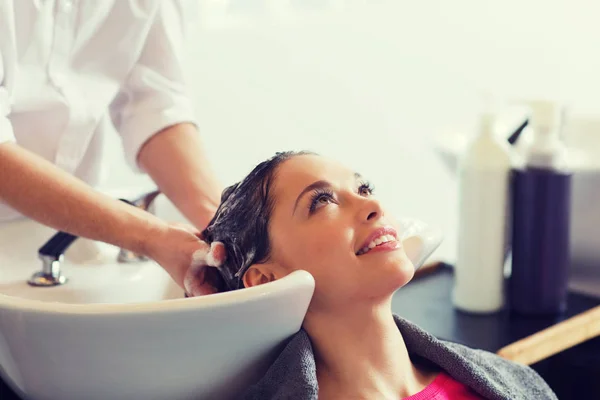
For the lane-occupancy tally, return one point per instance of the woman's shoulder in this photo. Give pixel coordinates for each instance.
(488, 374)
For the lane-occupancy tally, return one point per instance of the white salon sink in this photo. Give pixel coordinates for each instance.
(125, 331)
(93, 272)
(99, 280)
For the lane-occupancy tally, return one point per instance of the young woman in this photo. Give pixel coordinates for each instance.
(302, 211)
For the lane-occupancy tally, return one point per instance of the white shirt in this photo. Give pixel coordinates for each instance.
(70, 70)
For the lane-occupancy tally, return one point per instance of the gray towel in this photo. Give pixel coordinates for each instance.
(293, 375)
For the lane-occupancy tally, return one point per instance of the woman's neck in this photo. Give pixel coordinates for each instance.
(360, 353)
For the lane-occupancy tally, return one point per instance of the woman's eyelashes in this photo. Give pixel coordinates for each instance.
(319, 198)
(323, 196)
(366, 189)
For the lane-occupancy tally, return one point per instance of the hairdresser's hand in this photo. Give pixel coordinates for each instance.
(177, 248)
(202, 277)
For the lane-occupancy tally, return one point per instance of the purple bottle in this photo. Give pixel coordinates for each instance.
(541, 204)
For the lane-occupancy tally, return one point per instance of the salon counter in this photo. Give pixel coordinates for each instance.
(426, 301)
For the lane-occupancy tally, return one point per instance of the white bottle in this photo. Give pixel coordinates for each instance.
(483, 227)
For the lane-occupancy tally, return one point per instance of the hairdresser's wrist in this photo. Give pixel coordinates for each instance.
(148, 237)
(173, 247)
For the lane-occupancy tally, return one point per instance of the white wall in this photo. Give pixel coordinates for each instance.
(372, 83)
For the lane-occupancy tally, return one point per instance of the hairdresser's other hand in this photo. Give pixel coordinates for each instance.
(176, 249)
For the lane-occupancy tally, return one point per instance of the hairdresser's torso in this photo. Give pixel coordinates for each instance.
(62, 65)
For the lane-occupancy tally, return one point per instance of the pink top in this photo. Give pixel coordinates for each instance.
(444, 387)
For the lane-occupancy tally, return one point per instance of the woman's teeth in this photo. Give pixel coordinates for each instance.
(380, 240)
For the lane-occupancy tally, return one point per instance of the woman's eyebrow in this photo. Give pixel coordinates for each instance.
(309, 188)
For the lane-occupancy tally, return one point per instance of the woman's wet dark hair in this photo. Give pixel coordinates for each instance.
(242, 221)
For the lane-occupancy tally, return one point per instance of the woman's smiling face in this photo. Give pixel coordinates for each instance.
(327, 221)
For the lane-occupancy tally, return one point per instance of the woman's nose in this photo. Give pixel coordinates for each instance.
(371, 211)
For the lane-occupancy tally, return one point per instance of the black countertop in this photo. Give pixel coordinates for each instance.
(572, 374)
(427, 302)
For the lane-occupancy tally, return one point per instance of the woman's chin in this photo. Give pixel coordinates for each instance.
(401, 275)
(389, 277)
(396, 266)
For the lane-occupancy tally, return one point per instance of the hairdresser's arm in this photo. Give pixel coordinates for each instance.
(47, 194)
(154, 115)
(176, 161)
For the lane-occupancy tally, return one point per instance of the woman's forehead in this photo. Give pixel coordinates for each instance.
(298, 172)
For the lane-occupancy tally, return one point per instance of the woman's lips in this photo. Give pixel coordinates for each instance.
(386, 234)
(388, 246)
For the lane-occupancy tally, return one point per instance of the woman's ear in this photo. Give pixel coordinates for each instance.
(258, 274)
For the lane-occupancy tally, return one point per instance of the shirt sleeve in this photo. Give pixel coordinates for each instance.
(6, 129)
(154, 95)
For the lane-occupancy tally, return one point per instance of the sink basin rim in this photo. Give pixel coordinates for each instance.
(296, 279)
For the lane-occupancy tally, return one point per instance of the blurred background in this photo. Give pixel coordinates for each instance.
(375, 84)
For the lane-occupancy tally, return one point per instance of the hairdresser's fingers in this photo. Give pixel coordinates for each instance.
(202, 278)
(187, 227)
(199, 258)
(200, 236)
(216, 255)
(212, 255)
(201, 281)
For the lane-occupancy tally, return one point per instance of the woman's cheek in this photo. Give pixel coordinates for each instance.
(318, 249)
(303, 251)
